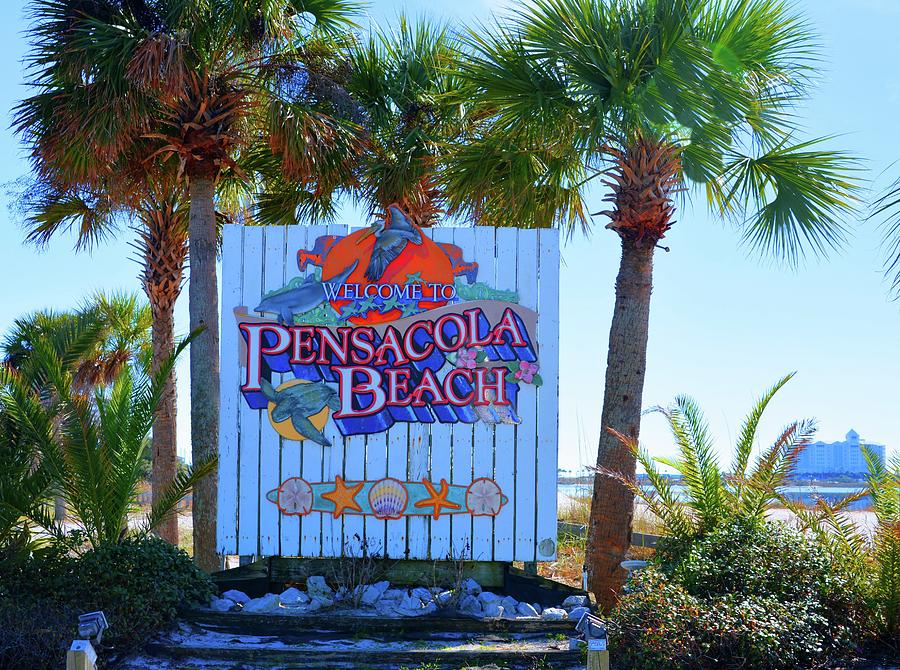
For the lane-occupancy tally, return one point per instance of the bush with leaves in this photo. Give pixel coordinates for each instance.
(140, 583)
(747, 595)
(868, 558)
(35, 635)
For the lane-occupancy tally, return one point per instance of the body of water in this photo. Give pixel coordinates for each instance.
(805, 494)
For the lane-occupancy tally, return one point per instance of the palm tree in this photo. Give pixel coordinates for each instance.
(189, 76)
(392, 112)
(90, 445)
(654, 98)
(155, 198)
(95, 343)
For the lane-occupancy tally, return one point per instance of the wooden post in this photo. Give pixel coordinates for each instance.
(81, 656)
(594, 631)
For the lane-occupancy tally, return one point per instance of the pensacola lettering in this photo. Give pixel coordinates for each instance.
(394, 369)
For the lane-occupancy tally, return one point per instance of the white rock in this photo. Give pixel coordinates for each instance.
(293, 598)
(469, 604)
(412, 603)
(221, 604)
(430, 608)
(471, 587)
(576, 601)
(422, 594)
(487, 597)
(509, 603)
(266, 603)
(317, 588)
(320, 602)
(553, 614)
(526, 610)
(493, 611)
(435, 590)
(444, 598)
(537, 607)
(237, 596)
(576, 613)
(372, 593)
(395, 595)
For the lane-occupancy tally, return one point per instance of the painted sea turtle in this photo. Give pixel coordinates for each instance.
(298, 403)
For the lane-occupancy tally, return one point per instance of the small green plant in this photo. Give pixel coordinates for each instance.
(870, 559)
(711, 497)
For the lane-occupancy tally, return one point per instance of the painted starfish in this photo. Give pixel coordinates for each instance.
(437, 500)
(343, 496)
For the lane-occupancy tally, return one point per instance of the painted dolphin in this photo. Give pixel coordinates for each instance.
(392, 234)
(288, 303)
(299, 402)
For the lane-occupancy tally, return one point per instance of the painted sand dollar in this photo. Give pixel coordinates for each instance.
(388, 498)
(295, 497)
(484, 498)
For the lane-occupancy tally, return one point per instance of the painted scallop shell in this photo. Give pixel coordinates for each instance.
(484, 498)
(295, 497)
(388, 498)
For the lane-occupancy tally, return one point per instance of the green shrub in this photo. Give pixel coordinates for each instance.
(35, 635)
(747, 595)
(140, 583)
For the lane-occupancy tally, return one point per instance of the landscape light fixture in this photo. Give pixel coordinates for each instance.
(91, 626)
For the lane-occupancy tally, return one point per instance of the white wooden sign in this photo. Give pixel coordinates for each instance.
(389, 390)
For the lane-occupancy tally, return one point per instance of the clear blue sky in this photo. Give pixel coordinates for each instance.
(724, 324)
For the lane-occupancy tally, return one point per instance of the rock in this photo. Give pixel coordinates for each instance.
(554, 614)
(411, 602)
(471, 587)
(266, 603)
(395, 595)
(317, 588)
(526, 610)
(444, 598)
(537, 607)
(509, 603)
(422, 594)
(237, 596)
(435, 590)
(487, 597)
(372, 593)
(293, 598)
(430, 608)
(576, 601)
(470, 605)
(320, 602)
(221, 604)
(576, 613)
(343, 593)
(493, 610)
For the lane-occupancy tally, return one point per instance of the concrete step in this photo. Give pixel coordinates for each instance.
(237, 641)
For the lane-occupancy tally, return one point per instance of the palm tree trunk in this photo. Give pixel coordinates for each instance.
(612, 508)
(204, 311)
(164, 445)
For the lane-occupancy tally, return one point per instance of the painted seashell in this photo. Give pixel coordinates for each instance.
(388, 498)
(295, 497)
(484, 498)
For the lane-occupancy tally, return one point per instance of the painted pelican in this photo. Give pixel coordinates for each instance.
(391, 237)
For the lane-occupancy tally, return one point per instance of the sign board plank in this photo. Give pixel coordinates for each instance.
(389, 391)
(232, 243)
(250, 419)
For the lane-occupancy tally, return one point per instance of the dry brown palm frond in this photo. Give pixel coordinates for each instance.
(158, 63)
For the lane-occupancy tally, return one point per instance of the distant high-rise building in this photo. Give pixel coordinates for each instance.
(837, 458)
